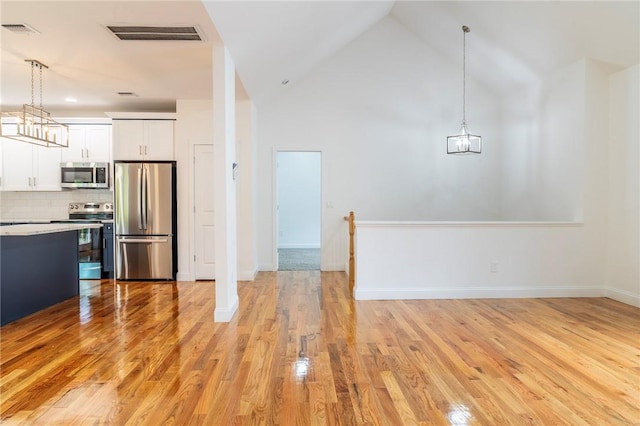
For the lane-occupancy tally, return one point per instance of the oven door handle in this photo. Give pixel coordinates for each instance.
(143, 240)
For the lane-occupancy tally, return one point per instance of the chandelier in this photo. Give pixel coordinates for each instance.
(33, 124)
(464, 142)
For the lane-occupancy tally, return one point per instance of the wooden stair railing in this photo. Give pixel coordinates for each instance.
(352, 263)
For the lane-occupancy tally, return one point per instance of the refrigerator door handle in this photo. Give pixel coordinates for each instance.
(139, 198)
(145, 201)
(143, 240)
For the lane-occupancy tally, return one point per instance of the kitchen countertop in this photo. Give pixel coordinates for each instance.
(44, 228)
(10, 221)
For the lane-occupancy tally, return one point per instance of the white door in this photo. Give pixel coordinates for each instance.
(204, 212)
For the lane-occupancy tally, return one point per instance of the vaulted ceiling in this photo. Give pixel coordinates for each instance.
(510, 43)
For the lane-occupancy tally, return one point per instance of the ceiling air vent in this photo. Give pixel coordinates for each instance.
(21, 28)
(145, 33)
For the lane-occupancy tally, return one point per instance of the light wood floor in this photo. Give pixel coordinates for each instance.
(300, 352)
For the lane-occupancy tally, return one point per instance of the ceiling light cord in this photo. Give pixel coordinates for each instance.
(35, 64)
(40, 86)
(465, 30)
(32, 101)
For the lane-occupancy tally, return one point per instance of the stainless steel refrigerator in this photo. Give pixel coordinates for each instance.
(145, 220)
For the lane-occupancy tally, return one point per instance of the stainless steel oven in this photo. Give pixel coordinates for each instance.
(91, 243)
(84, 175)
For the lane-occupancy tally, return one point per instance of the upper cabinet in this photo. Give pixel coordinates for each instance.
(149, 140)
(29, 167)
(88, 143)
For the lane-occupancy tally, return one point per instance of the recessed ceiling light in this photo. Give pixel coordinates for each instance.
(70, 99)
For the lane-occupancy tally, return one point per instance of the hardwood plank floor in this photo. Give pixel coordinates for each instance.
(300, 352)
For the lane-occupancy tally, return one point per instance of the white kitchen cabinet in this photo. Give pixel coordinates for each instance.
(148, 140)
(88, 143)
(28, 167)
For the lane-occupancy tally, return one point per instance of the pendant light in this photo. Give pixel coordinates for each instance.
(464, 142)
(33, 124)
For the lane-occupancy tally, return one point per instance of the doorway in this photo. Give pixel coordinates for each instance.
(299, 202)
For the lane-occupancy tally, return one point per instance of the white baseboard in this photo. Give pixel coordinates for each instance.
(247, 275)
(476, 293)
(332, 267)
(266, 267)
(300, 246)
(183, 276)
(225, 315)
(623, 296)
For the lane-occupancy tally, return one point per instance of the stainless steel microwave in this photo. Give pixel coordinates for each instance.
(84, 175)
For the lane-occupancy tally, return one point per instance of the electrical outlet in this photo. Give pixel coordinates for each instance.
(493, 267)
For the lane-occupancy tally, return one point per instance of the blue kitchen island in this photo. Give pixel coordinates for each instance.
(38, 267)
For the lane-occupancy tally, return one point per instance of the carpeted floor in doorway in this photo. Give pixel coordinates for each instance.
(298, 259)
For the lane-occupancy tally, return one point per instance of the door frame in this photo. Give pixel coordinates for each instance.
(275, 216)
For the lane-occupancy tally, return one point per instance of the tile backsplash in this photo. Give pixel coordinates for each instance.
(47, 205)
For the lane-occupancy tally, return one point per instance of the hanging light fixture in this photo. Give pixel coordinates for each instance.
(464, 142)
(33, 124)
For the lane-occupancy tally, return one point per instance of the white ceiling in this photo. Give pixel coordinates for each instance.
(513, 42)
(89, 63)
(510, 43)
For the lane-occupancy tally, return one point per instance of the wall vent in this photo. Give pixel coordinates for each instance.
(21, 28)
(146, 33)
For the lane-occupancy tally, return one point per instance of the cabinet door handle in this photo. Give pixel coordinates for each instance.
(145, 150)
(35, 181)
(140, 149)
(30, 181)
(87, 153)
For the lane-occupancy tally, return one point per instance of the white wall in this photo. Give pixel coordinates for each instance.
(194, 125)
(224, 185)
(246, 134)
(596, 256)
(623, 237)
(454, 260)
(543, 153)
(380, 110)
(299, 198)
